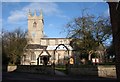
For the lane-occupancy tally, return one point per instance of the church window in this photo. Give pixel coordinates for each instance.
(33, 56)
(35, 24)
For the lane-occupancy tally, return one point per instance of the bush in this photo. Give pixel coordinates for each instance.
(10, 64)
(89, 62)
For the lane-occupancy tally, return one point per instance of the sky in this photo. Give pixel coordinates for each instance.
(56, 14)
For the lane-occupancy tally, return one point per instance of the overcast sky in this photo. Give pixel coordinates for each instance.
(56, 14)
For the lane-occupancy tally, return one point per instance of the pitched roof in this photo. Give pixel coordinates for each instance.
(45, 53)
(53, 47)
(49, 47)
(35, 46)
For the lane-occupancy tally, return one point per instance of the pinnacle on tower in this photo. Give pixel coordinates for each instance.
(35, 13)
(29, 13)
(41, 13)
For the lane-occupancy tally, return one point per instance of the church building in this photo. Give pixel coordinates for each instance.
(41, 50)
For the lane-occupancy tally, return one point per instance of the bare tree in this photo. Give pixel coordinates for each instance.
(13, 44)
(88, 32)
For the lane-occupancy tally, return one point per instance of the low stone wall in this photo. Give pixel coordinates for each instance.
(101, 71)
(84, 71)
(32, 69)
(106, 71)
(11, 68)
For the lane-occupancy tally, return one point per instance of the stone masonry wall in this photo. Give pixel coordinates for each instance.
(100, 71)
(32, 69)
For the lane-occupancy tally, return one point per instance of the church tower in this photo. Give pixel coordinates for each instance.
(35, 27)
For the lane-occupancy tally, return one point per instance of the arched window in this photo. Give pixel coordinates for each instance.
(34, 24)
(33, 56)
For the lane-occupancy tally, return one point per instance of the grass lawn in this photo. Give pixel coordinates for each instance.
(62, 69)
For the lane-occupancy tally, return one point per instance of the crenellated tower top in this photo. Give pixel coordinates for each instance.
(35, 14)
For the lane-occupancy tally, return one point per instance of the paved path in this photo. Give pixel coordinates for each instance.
(37, 77)
(60, 73)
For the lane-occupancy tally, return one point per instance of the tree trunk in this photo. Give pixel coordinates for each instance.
(115, 22)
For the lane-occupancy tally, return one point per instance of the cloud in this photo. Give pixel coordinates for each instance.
(20, 15)
(53, 8)
(11, 0)
(27, 0)
(16, 16)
